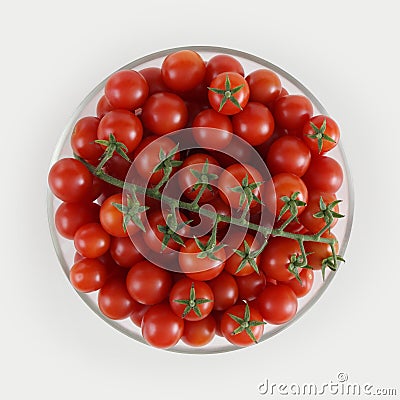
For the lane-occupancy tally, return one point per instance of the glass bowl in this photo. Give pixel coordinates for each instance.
(65, 248)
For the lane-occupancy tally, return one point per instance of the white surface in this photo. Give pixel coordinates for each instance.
(52, 345)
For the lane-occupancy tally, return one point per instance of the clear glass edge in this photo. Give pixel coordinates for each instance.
(212, 49)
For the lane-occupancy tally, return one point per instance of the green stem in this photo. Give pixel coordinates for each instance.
(195, 202)
(155, 194)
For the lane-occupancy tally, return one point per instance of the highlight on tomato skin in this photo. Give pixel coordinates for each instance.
(258, 179)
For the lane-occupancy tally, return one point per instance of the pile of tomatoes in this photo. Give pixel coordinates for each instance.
(225, 296)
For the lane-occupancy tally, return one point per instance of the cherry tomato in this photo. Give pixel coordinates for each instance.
(124, 252)
(210, 138)
(137, 314)
(250, 286)
(319, 251)
(117, 167)
(288, 154)
(222, 63)
(124, 125)
(114, 299)
(324, 174)
(161, 327)
(202, 269)
(199, 333)
(321, 134)
(112, 219)
(149, 157)
(154, 80)
(307, 218)
(303, 288)
(88, 275)
(265, 86)
(225, 291)
(153, 237)
(292, 111)
(229, 325)
(70, 217)
(126, 89)
(83, 137)
(235, 261)
(147, 283)
(103, 107)
(255, 123)
(187, 180)
(277, 304)
(285, 184)
(228, 93)
(275, 258)
(69, 180)
(164, 113)
(183, 70)
(91, 240)
(233, 177)
(272, 104)
(187, 308)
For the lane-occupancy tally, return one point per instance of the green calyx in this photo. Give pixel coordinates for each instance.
(228, 94)
(112, 146)
(249, 256)
(246, 191)
(245, 324)
(192, 303)
(170, 230)
(319, 134)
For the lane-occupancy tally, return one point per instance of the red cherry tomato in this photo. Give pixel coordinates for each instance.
(147, 283)
(126, 89)
(83, 137)
(91, 240)
(191, 310)
(233, 177)
(70, 181)
(164, 113)
(303, 288)
(319, 251)
(235, 261)
(210, 138)
(103, 107)
(187, 180)
(183, 70)
(321, 134)
(199, 333)
(124, 252)
(275, 258)
(225, 291)
(149, 157)
(307, 218)
(154, 80)
(161, 327)
(324, 174)
(292, 111)
(114, 299)
(112, 219)
(229, 325)
(70, 217)
(265, 86)
(285, 184)
(222, 63)
(288, 154)
(202, 269)
(250, 286)
(277, 304)
(255, 123)
(153, 237)
(88, 275)
(124, 125)
(228, 93)
(137, 314)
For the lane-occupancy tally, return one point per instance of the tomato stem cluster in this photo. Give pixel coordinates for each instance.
(133, 208)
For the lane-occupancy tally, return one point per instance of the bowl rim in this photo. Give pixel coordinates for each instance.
(217, 50)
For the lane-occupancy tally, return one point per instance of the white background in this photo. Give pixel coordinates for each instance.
(53, 53)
